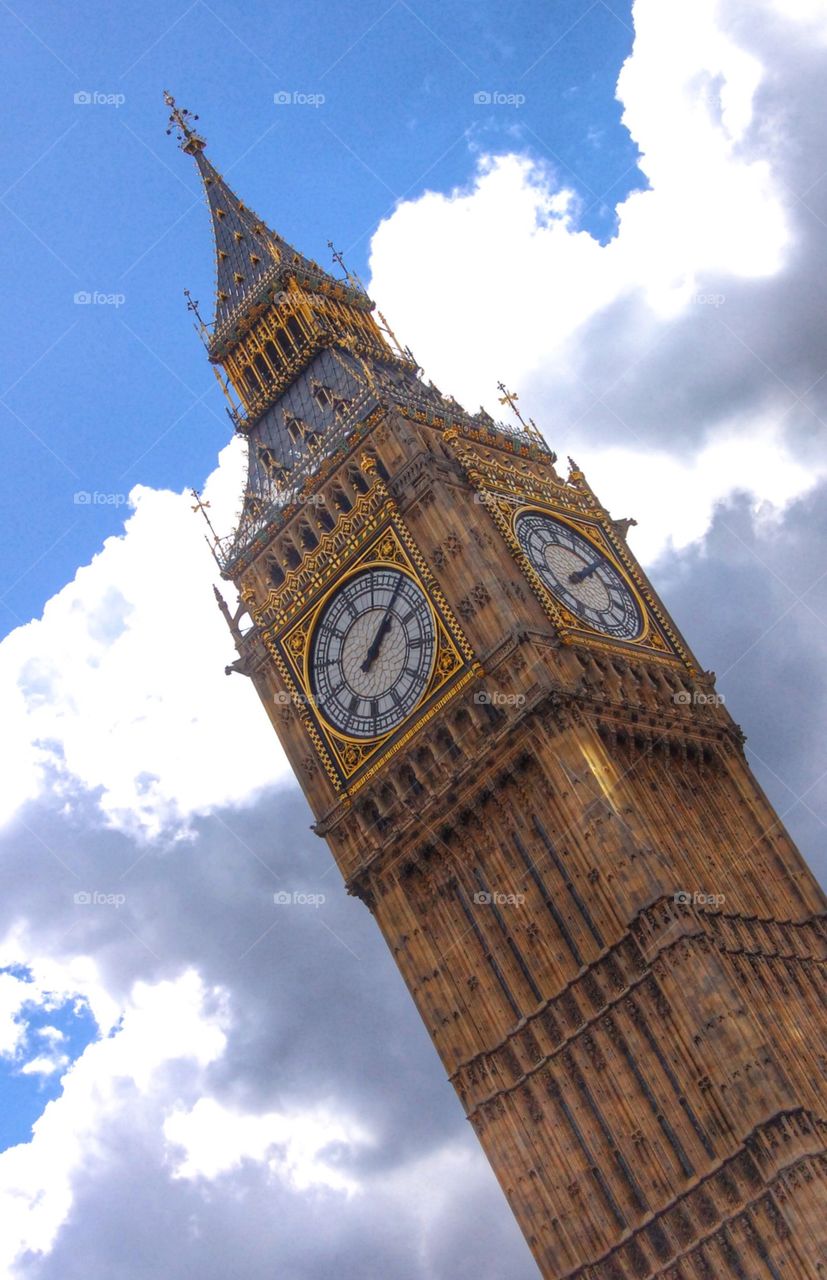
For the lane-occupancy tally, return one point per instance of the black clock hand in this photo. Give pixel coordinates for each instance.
(582, 574)
(382, 631)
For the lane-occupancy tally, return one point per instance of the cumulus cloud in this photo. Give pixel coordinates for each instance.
(215, 1138)
(160, 1026)
(261, 1074)
(683, 359)
(135, 643)
(752, 595)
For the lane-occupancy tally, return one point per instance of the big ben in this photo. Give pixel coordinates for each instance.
(523, 772)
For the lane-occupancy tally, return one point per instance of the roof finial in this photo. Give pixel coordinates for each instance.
(351, 276)
(531, 429)
(182, 120)
(510, 398)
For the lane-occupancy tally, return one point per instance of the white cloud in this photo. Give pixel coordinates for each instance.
(44, 987)
(521, 288)
(809, 13)
(44, 1066)
(121, 685)
(54, 982)
(53, 1034)
(673, 498)
(516, 277)
(162, 1024)
(14, 993)
(215, 1139)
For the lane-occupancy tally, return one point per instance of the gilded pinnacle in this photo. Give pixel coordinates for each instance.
(181, 120)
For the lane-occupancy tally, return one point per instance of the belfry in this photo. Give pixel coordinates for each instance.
(522, 771)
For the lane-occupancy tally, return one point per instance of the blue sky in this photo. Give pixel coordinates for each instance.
(97, 199)
(53, 1029)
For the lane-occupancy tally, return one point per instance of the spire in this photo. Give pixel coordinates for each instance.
(252, 262)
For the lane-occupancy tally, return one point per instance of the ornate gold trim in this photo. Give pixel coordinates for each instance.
(570, 621)
(335, 549)
(506, 487)
(386, 542)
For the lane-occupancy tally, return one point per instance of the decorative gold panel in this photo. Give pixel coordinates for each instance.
(506, 487)
(345, 757)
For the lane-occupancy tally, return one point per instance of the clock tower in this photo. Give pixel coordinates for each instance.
(522, 771)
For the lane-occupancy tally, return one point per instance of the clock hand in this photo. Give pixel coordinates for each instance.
(382, 631)
(587, 572)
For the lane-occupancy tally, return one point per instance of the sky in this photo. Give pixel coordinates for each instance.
(618, 209)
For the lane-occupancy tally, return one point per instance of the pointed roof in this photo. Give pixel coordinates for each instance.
(251, 260)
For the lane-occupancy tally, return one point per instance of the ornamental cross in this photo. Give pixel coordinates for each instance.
(510, 398)
(202, 506)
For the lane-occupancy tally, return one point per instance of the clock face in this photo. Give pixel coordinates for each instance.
(371, 652)
(579, 575)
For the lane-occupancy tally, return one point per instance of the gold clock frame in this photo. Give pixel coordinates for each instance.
(587, 529)
(656, 640)
(351, 761)
(507, 484)
(335, 587)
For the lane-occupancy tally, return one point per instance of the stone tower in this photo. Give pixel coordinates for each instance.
(521, 770)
